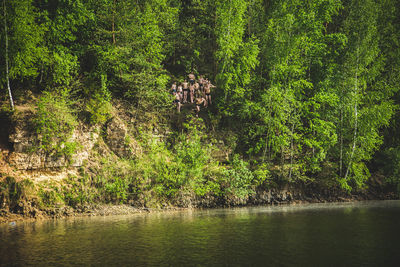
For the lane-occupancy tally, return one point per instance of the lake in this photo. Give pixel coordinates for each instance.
(335, 234)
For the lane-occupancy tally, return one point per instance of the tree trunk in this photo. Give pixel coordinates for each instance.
(355, 120)
(113, 23)
(341, 142)
(291, 152)
(6, 55)
(249, 22)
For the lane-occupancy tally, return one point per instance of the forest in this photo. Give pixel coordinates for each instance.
(306, 90)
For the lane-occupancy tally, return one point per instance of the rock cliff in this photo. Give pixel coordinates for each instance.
(22, 141)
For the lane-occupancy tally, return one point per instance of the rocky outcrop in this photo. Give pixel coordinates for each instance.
(118, 139)
(24, 157)
(23, 140)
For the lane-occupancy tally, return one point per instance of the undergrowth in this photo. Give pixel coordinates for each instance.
(54, 122)
(14, 193)
(166, 173)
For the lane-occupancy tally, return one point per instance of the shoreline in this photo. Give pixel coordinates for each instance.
(102, 210)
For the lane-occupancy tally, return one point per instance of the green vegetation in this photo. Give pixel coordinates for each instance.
(54, 123)
(14, 193)
(307, 92)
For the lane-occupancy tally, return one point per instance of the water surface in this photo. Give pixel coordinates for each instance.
(350, 234)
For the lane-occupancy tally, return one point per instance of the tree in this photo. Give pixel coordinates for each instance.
(387, 159)
(284, 108)
(23, 38)
(365, 107)
(6, 55)
(235, 56)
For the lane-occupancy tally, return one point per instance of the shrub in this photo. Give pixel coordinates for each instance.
(54, 123)
(185, 167)
(262, 175)
(98, 105)
(159, 169)
(77, 191)
(64, 67)
(50, 196)
(117, 189)
(13, 192)
(238, 179)
(147, 88)
(113, 181)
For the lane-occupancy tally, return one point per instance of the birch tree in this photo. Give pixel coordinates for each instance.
(364, 110)
(23, 48)
(6, 55)
(235, 56)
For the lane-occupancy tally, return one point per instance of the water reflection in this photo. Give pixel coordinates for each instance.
(363, 233)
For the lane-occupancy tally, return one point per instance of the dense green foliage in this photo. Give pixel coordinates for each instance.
(309, 89)
(54, 123)
(158, 177)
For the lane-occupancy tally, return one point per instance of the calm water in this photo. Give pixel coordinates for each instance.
(352, 234)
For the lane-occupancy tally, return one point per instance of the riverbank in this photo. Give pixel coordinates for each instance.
(146, 161)
(283, 197)
(84, 211)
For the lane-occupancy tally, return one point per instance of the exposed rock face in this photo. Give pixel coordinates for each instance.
(23, 139)
(118, 139)
(86, 138)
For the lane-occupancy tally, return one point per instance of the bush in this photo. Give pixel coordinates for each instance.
(159, 169)
(186, 167)
(148, 90)
(50, 196)
(262, 175)
(117, 189)
(113, 181)
(64, 67)
(13, 192)
(238, 179)
(54, 123)
(77, 191)
(98, 105)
